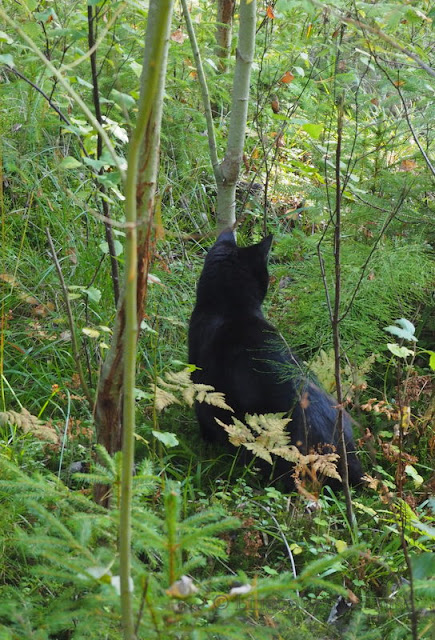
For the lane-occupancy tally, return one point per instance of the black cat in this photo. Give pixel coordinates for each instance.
(240, 354)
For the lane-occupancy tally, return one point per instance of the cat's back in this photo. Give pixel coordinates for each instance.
(227, 316)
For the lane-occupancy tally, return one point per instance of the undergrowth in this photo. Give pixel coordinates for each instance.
(201, 511)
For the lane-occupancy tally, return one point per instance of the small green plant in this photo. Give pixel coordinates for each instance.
(63, 569)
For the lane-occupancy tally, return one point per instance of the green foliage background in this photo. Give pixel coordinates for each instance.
(51, 531)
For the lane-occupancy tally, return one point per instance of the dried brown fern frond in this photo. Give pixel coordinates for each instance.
(266, 436)
(325, 464)
(29, 423)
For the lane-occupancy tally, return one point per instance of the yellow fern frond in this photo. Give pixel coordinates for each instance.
(260, 451)
(188, 394)
(289, 453)
(215, 398)
(164, 398)
(202, 387)
(238, 432)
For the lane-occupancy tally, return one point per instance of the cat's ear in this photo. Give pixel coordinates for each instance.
(265, 245)
(226, 235)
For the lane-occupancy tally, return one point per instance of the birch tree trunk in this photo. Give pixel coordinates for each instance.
(228, 171)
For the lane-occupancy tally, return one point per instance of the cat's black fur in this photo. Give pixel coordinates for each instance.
(239, 353)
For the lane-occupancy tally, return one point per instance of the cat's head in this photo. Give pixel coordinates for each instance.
(234, 277)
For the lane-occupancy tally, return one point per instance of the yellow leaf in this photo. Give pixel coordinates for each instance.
(340, 545)
(91, 333)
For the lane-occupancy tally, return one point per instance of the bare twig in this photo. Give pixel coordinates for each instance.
(336, 317)
(378, 32)
(401, 391)
(391, 41)
(390, 218)
(74, 343)
(407, 118)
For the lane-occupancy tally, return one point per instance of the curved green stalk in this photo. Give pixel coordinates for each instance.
(156, 45)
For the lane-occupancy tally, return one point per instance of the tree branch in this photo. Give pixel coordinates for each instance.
(204, 89)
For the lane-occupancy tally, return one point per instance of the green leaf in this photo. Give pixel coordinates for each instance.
(313, 130)
(43, 16)
(93, 294)
(400, 333)
(117, 245)
(370, 612)
(70, 163)
(406, 325)
(432, 360)
(123, 99)
(72, 34)
(364, 508)
(80, 126)
(166, 438)
(6, 58)
(140, 394)
(405, 330)
(296, 549)
(84, 83)
(99, 572)
(270, 571)
(106, 160)
(95, 164)
(423, 566)
(413, 473)
(110, 179)
(5, 38)
(146, 327)
(400, 352)
(136, 68)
